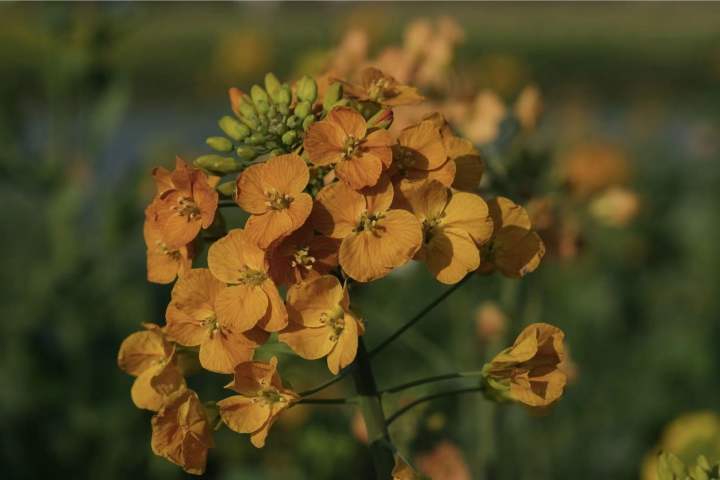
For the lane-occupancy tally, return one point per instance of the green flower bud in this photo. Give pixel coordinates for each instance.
(283, 109)
(284, 95)
(256, 139)
(292, 121)
(332, 96)
(233, 128)
(272, 144)
(290, 137)
(272, 84)
(368, 109)
(246, 153)
(227, 189)
(382, 119)
(220, 144)
(247, 109)
(670, 467)
(276, 152)
(306, 89)
(218, 164)
(259, 95)
(307, 122)
(302, 109)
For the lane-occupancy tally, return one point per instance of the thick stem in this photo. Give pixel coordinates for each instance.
(368, 399)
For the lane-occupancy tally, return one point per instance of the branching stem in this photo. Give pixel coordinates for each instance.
(436, 378)
(433, 396)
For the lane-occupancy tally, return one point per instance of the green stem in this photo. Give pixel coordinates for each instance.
(325, 401)
(418, 317)
(436, 378)
(433, 396)
(344, 373)
(368, 399)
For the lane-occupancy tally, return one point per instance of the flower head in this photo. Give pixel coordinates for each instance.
(250, 297)
(420, 154)
(454, 225)
(186, 202)
(181, 433)
(528, 371)
(272, 192)
(261, 398)
(375, 238)
(303, 255)
(192, 321)
(150, 357)
(342, 139)
(164, 262)
(378, 87)
(514, 249)
(321, 323)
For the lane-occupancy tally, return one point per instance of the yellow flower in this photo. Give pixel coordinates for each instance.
(375, 238)
(261, 398)
(272, 192)
(250, 297)
(321, 323)
(377, 87)
(341, 139)
(164, 262)
(150, 357)
(528, 372)
(454, 225)
(181, 433)
(192, 321)
(420, 154)
(514, 249)
(186, 202)
(302, 256)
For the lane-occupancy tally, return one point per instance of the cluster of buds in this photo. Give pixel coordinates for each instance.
(333, 199)
(671, 467)
(269, 121)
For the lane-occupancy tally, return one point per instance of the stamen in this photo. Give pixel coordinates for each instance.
(277, 200)
(186, 207)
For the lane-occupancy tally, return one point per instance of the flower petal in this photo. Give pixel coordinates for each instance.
(308, 342)
(242, 414)
(276, 316)
(241, 306)
(451, 254)
(337, 210)
(309, 300)
(233, 253)
(344, 352)
(469, 212)
(324, 142)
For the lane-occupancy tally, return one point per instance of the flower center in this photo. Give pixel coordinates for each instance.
(186, 207)
(165, 250)
(430, 227)
(377, 89)
(302, 258)
(351, 146)
(277, 200)
(335, 319)
(369, 222)
(248, 276)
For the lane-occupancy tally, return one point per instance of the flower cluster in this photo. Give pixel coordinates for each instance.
(332, 198)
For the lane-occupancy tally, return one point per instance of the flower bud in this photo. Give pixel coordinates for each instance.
(284, 96)
(262, 107)
(293, 121)
(302, 109)
(233, 128)
(218, 164)
(256, 139)
(246, 153)
(220, 144)
(259, 95)
(227, 188)
(332, 96)
(309, 120)
(306, 89)
(289, 137)
(272, 84)
(247, 109)
(382, 119)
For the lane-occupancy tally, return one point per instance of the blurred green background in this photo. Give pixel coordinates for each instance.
(93, 95)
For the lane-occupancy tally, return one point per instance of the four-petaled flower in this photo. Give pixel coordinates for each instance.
(375, 86)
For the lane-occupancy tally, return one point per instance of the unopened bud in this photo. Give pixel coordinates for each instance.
(247, 109)
(218, 164)
(246, 153)
(302, 109)
(289, 137)
(235, 95)
(233, 128)
(284, 95)
(227, 189)
(332, 96)
(258, 94)
(292, 121)
(272, 84)
(220, 144)
(382, 119)
(255, 139)
(306, 89)
(262, 106)
(309, 120)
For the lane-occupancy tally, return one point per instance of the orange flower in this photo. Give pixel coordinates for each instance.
(181, 433)
(186, 202)
(469, 167)
(528, 372)
(341, 139)
(261, 399)
(377, 87)
(514, 249)
(420, 154)
(321, 323)
(150, 357)
(375, 238)
(164, 262)
(272, 192)
(454, 224)
(403, 470)
(192, 321)
(303, 255)
(250, 297)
